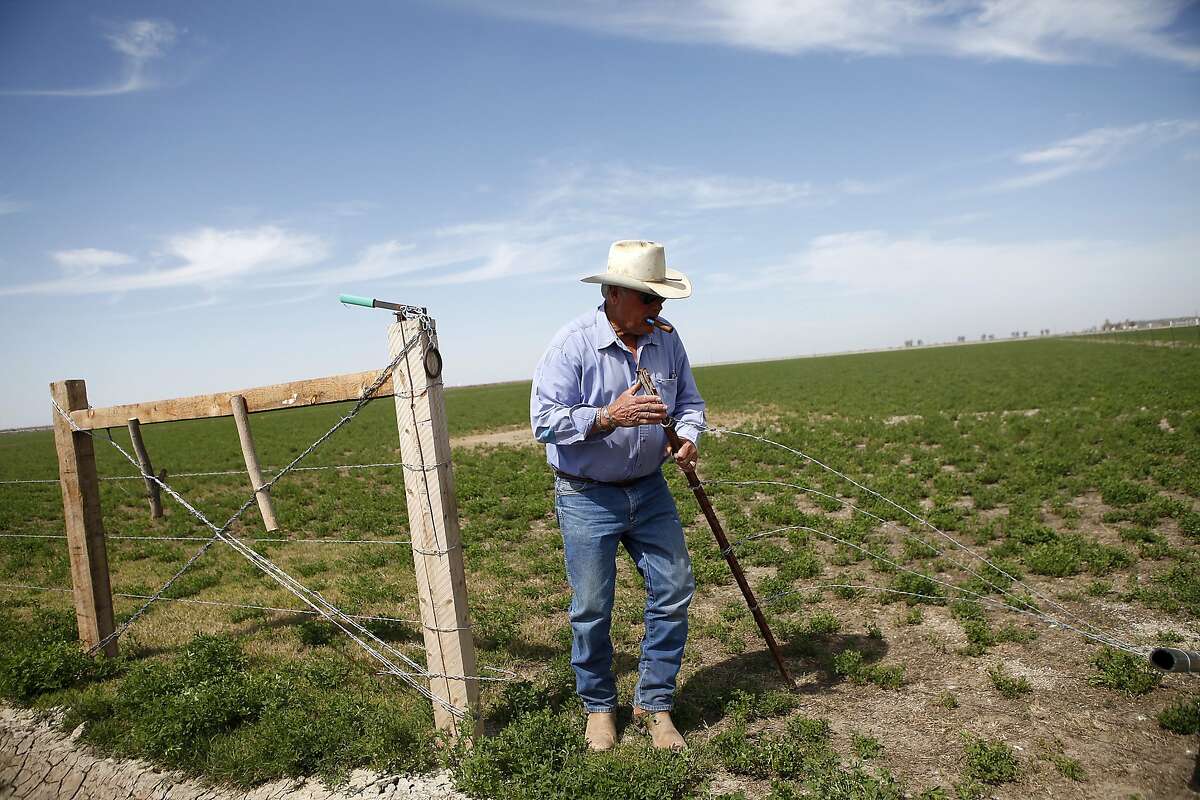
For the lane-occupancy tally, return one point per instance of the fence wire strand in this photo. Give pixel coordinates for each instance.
(205, 539)
(959, 545)
(1088, 631)
(219, 603)
(401, 666)
(380, 650)
(379, 465)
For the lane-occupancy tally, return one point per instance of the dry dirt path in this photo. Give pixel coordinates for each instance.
(520, 435)
(40, 762)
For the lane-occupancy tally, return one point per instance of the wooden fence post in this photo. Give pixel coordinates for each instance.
(433, 526)
(143, 457)
(241, 418)
(85, 526)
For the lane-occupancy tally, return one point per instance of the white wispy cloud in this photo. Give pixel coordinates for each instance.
(962, 277)
(462, 254)
(470, 229)
(684, 192)
(206, 258)
(1096, 149)
(1048, 31)
(89, 260)
(570, 216)
(138, 43)
(10, 206)
(508, 258)
(673, 190)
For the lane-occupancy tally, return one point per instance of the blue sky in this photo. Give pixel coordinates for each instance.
(185, 188)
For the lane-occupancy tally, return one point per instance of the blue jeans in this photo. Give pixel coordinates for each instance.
(594, 518)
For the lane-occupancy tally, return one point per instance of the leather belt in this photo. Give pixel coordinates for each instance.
(621, 484)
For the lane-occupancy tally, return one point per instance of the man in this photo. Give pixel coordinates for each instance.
(607, 446)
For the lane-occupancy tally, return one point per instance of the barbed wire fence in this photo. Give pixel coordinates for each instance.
(997, 580)
(999, 595)
(354, 626)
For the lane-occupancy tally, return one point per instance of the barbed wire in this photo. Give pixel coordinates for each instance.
(1099, 636)
(250, 606)
(205, 539)
(937, 600)
(382, 651)
(927, 524)
(368, 641)
(380, 465)
(959, 545)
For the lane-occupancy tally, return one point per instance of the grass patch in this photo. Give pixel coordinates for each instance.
(44, 658)
(802, 763)
(853, 665)
(1069, 768)
(210, 709)
(981, 636)
(543, 755)
(989, 761)
(916, 589)
(1182, 717)
(1009, 686)
(1124, 672)
(866, 747)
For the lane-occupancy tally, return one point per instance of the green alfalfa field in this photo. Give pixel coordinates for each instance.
(1074, 465)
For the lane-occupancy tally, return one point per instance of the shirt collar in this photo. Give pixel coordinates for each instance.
(603, 334)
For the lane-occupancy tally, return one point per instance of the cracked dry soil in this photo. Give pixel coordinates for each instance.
(40, 762)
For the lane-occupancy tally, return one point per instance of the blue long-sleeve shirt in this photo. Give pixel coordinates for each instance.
(585, 367)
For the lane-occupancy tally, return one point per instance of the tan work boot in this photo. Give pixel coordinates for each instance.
(661, 728)
(601, 731)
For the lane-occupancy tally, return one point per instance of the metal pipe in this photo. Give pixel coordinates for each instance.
(1171, 659)
(370, 302)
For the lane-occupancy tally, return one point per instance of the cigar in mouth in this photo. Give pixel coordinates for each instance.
(662, 326)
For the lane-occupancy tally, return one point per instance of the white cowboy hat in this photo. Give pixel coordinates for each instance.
(640, 265)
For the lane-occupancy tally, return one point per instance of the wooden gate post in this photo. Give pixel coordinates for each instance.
(433, 525)
(241, 418)
(85, 527)
(143, 457)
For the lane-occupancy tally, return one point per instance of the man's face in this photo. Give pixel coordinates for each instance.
(629, 310)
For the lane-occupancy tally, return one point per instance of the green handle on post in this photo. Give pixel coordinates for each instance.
(355, 300)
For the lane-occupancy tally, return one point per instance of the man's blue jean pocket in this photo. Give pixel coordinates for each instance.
(569, 486)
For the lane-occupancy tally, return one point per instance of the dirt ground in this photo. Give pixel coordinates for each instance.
(1114, 737)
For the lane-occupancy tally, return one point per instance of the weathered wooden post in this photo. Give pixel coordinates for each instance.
(84, 524)
(143, 457)
(241, 417)
(433, 523)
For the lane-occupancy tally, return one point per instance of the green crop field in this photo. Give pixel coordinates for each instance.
(1181, 336)
(1073, 466)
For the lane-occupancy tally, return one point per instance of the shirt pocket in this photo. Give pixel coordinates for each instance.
(667, 389)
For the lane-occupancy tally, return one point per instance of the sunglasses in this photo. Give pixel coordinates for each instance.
(650, 299)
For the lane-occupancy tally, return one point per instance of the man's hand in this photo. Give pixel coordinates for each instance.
(631, 410)
(687, 456)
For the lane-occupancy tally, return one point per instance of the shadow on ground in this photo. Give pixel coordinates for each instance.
(703, 697)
